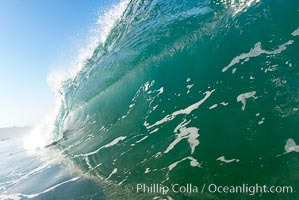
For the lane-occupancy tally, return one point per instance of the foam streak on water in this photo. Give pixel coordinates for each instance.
(114, 142)
(291, 146)
(296, 32)
(186, 111)
(223, 159)
(256, 51)
(242, 98)
(193, 163)
(190, 133)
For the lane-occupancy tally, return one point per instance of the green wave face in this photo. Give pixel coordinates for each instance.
(189, 92)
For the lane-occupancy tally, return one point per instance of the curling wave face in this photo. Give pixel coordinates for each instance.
(178, 88)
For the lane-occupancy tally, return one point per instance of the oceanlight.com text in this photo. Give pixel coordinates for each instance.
(249, 189)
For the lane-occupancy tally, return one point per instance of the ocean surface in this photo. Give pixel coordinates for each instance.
(181, 92)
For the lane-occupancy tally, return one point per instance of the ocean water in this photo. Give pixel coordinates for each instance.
(192, 93)
(43, 174)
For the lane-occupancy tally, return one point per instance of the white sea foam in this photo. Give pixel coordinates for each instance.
(213, 106)
(187, 110)
(193, 163)
(182, 132)
(256, 51)
(222, 159)
(17, 196)
(291, 146)
(147, 85)
(114, 142)
(242, 5)
(147, 170)
(224, 103)
(234, 70)
(189, 88)
(296, 32)
(160, 91)
(141, 139)
(261, 121)
(154, 131)
(242, 98)
(237, 6)
(113, 172)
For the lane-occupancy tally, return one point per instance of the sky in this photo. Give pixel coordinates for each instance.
(36, 37)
